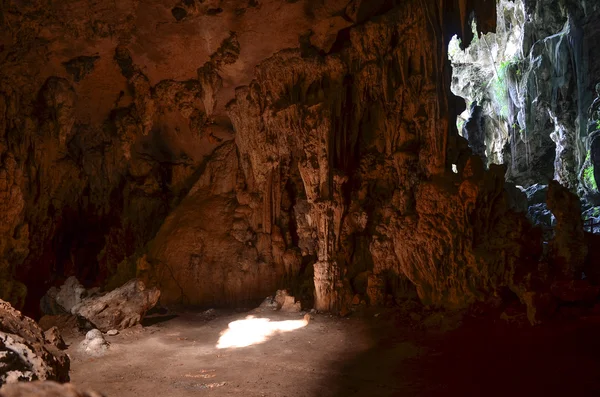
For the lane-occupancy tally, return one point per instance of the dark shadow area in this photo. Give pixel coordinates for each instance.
(483, 357)
(153, 320)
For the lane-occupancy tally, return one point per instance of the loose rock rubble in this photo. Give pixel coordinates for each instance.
(281, 301)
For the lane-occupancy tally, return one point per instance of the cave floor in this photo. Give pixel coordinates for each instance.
(371, 354)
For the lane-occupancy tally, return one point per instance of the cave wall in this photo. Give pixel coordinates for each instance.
(369, 142)
(108, 115)
(535, 79)
(334, 153)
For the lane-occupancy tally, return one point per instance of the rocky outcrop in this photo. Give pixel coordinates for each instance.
(219, 166)
(45, 389)
(106, 135)
(430, 228)
(25, 352)
(594, 145)
(532, 77)
(121, 308)
(474, 131)
(209, 250)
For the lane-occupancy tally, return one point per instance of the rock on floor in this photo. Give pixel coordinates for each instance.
(54, 337)
(281, 301)
(61, 300)
(121, 308)
(94, 343)
(25, 353)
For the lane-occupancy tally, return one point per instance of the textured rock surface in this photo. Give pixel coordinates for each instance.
(63, 299)
(535, 77)
(173, 143)
(118, 309)
(94, 343)
(206, 252)
(380, 148)
(25, 353)
(53, 336)
(45, 389)
(108, 115)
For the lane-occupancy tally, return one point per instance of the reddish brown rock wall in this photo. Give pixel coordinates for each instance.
(335, 153)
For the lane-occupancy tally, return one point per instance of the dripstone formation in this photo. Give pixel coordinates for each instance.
(172, 143)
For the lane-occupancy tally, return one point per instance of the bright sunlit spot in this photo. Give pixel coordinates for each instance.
(251, 331)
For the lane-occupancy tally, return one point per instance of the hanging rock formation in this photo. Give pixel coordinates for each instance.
(369, 155)
(108, 114)
(118, 130)
(533, 78)
(173, 144)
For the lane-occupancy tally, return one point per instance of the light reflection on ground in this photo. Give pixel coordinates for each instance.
(251, 331)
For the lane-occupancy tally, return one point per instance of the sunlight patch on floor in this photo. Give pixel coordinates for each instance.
(252, 330)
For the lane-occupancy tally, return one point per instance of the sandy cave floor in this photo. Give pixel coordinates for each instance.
(362, 355)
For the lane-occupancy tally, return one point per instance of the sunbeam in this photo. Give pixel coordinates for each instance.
(252, 331)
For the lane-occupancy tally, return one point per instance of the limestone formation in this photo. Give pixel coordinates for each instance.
(94, 344)
(208, 252)
(121, 308)
(26, 354)
(594, 135)
(63, 299)
(281, 301)
(101, 140)
(287, 303)
(174, 145)
(532, 76)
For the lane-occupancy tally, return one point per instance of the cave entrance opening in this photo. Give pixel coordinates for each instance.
(530, 104)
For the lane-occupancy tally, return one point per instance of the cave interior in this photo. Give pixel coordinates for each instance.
(299, 198)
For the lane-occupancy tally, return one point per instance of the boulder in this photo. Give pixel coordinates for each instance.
(54, 337)
(269, 303)
(286, 302)
(290, 306)
(61, 300)
(121, 308)
(44, 389)
(94, 343)
(25, 353)
(281, 301)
